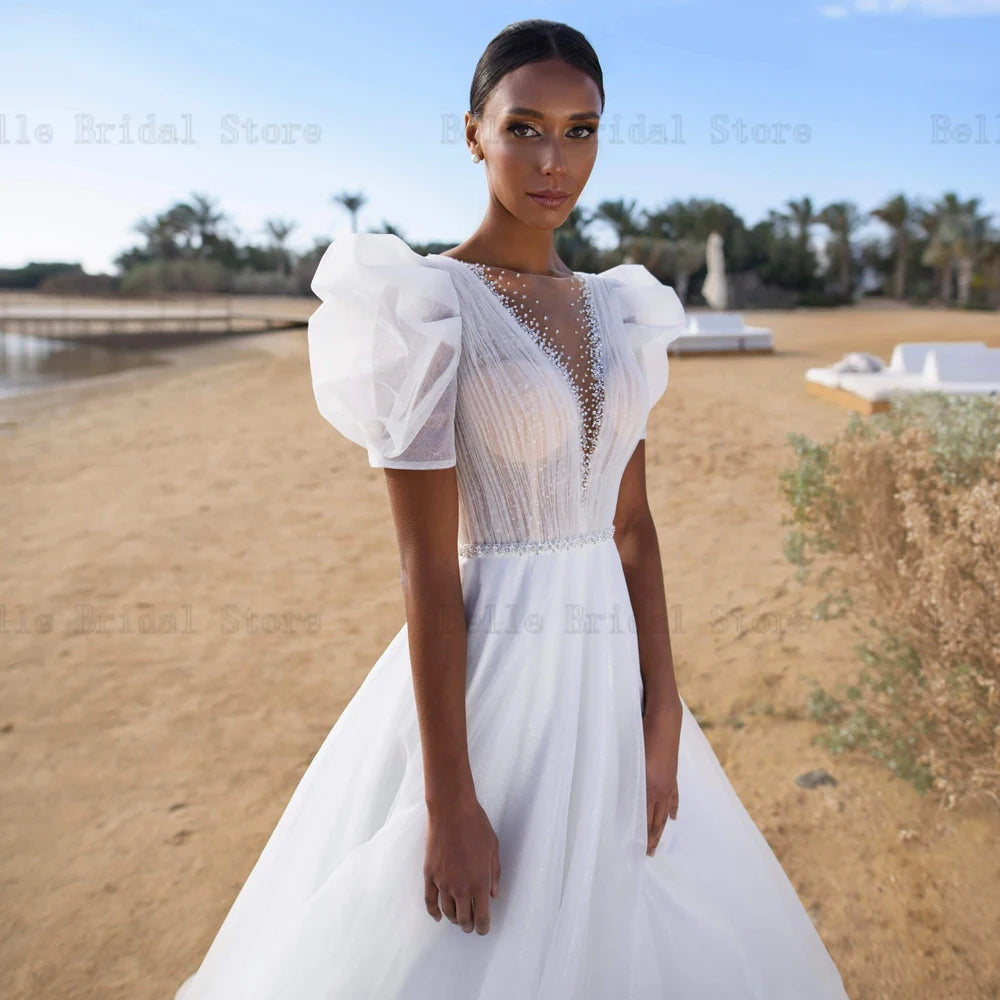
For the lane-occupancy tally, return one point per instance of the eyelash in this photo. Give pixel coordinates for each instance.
(590, 130)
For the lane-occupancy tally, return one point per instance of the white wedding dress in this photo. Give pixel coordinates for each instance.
(431, 362)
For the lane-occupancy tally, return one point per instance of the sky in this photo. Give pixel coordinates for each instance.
(280, 106)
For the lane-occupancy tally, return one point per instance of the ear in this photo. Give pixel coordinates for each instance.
(472, 134)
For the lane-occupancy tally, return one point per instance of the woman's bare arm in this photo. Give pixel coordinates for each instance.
(662, 711)
(424, 506)
(639, 548)
(462, 855)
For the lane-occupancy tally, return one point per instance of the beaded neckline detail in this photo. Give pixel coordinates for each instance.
(589, 398)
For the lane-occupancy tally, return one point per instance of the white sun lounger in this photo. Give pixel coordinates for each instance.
(712, 332)
(964, 367)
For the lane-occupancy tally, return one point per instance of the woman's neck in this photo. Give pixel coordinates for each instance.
(492, 248)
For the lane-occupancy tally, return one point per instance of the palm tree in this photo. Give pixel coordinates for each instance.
(620, 215)
(871, 253)
(899, 215)
(955, 231)
(656, 253)
(970, 247)
(679, 258)
(352, 203)
(205, 220)
(690, 255)
(801, 215)
(571, 240)
(796, 225)
(279, 230)
(842, 218)
(780, 223)
(170, 234)
(936, 254)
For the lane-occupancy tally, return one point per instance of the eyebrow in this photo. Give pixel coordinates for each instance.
(537, 114)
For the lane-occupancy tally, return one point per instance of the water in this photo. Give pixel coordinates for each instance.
(28, 363)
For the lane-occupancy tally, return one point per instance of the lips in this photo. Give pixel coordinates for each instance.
(549, 199)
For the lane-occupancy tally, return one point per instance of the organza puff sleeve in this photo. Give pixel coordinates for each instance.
(653, 318)
(384, 349)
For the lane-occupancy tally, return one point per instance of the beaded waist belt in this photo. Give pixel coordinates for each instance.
(518, 548)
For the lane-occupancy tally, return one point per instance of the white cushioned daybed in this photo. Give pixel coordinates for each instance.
(864, 382)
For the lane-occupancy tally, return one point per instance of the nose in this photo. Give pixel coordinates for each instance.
(553, 160)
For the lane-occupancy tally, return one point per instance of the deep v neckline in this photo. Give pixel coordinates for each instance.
(590, 422)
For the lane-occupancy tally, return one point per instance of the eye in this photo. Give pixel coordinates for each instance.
(513, 128)
(588, 130)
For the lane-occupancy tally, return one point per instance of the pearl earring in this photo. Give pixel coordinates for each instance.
(476, 157)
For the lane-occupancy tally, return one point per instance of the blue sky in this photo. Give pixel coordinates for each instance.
(380, 83)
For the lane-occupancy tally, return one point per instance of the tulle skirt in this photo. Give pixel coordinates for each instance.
(334, 907)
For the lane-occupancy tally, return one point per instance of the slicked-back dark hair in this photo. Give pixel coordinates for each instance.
(526, 42)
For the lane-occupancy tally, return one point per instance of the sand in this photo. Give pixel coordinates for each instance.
(147, 761)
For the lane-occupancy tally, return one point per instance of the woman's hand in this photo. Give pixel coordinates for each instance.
(661, 729)
(462, 865)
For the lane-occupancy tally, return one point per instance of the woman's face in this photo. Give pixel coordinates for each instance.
(538, 132)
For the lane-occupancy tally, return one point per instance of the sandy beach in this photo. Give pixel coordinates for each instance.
(199, 571)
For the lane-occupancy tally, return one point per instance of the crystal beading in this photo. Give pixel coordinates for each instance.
(517, 548)
(589, 404)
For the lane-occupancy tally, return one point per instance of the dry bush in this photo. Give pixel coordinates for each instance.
(905, 506)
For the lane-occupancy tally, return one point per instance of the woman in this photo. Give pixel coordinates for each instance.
(513, 760)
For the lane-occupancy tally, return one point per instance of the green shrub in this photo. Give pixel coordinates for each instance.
(907, 505)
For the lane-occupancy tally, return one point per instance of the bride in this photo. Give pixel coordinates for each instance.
(519, 762)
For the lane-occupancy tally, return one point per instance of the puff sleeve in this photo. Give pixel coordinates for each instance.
(653, 317)
(384, 348)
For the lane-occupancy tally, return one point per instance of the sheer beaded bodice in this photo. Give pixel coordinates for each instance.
(536, 388)
(560, 316)
(550, 407)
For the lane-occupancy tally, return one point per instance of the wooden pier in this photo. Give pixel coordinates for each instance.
(142, 325)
